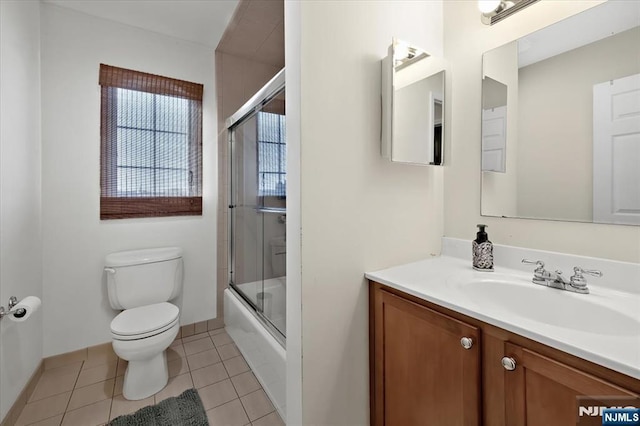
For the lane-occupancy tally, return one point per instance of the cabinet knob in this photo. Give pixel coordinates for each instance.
(466, 342)
(508, 363)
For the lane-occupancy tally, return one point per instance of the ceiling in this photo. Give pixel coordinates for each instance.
(199, 21)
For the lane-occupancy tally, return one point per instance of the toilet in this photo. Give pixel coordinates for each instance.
(141, 283)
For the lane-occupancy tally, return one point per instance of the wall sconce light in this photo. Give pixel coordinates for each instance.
(492, 11)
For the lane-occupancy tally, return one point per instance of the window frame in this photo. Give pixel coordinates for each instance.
(113, 206)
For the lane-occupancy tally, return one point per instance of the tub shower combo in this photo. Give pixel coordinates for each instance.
(255, 302)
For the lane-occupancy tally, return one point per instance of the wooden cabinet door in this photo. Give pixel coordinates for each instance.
(423, 375)
(544, 392)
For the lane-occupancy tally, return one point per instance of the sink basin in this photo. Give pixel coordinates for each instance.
(519, 297)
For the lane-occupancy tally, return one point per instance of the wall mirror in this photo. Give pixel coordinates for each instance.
(561, 120)
(412, 105)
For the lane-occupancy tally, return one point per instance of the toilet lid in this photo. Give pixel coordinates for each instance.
(144, 319)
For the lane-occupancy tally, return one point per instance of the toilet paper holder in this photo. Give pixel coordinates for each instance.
(13, 301)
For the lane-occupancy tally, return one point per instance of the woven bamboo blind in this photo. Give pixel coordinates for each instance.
(151, 145)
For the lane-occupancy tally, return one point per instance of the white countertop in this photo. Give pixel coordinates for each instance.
(435, 280)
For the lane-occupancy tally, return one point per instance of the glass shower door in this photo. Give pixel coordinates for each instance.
(258, 211)
(247, 232)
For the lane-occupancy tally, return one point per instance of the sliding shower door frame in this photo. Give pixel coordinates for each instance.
(254, 105)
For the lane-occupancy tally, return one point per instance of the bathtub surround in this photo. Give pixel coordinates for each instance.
(20, 197)
(75, 240)
(250, 53)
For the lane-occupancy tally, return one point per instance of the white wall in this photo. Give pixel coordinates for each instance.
(293, 56)
(76, 310)
(466, 38)
(20, 212)
(358, 212)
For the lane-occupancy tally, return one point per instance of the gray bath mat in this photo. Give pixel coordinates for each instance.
(183, 410)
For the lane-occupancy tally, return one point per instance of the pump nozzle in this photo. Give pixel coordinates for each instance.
(481, 236)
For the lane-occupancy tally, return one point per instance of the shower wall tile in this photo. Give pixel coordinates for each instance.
(233, 24)
(219, 59)
(222, 255)
(249, 36)
(259, 76)
(250, 29)
(232, 87)
(269, 14)
(273, 48)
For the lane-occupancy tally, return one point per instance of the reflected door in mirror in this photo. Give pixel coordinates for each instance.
(616, 151)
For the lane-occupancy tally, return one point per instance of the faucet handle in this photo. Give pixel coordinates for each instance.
(593, 272)
(578, 280)
(539, 264)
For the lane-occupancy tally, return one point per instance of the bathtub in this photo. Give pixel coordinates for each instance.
(264, 353)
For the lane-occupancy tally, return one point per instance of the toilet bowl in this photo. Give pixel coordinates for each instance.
(141, 336)
(142, 283)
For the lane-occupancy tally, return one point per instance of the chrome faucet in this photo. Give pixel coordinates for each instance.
(577, 283)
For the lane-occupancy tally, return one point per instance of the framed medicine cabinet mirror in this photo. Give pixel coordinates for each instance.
(561, 120)
(412, 106)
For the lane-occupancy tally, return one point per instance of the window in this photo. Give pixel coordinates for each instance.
(151, 145)
(272, 150)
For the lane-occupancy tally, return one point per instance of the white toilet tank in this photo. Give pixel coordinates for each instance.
(143, 277)
(279, 256)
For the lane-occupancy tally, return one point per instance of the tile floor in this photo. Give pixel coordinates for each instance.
(89, 392)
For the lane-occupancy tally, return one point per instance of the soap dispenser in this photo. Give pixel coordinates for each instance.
(482, 251)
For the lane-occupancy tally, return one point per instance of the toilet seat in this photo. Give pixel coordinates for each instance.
(144, 321)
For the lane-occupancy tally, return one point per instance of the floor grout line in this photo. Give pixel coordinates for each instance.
(268, 414)
(113, 390)
(245, 410)
(66, 409)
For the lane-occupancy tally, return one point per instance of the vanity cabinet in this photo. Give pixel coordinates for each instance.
(543, 391)
(422, 374)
